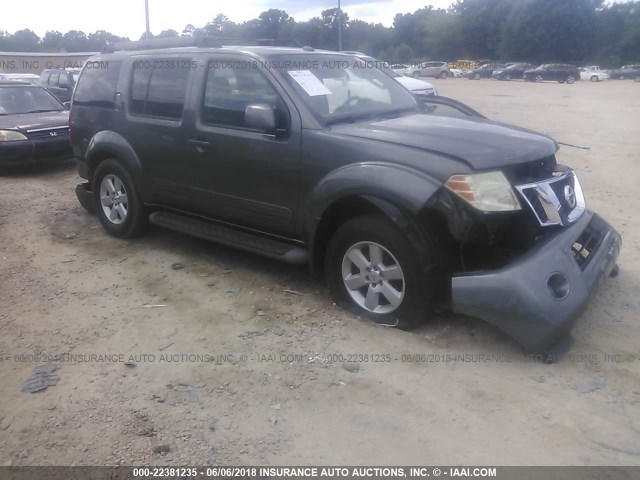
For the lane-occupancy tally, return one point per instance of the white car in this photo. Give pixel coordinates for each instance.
(455, 72)
(418, 87)
(399, 68)
(594, 74)
(26, 77)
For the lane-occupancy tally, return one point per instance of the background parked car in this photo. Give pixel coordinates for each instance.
(429, 69)
(456, 72)
(558, 72)
(484, 71)
(512, 72)
(419, 88)
(60, 82)
(594, 74)
(626, 72)
(34, 125)
(400, 68)
(26, 77)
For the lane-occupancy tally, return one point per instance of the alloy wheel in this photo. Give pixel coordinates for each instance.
(114, 199)
(373, 277)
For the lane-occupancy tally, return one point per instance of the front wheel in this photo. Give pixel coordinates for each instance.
(444, 75)
(571, 79)
(415, 74)
(118, 205)
(539, 79)
(594, 78)
(372, 270)
(476, 76)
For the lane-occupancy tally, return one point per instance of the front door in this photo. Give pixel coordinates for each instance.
(246, 177)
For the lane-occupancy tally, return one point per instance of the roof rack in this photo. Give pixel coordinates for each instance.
(165, 42)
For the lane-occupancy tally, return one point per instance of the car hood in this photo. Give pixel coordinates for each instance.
(481, 144)
(30, 121)
(413, 84)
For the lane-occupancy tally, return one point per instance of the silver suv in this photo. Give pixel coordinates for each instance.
(429, 69)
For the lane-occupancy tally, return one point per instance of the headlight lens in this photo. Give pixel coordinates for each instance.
(488, 192)
(11, 136)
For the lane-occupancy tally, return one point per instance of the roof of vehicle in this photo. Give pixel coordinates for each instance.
(259, 51)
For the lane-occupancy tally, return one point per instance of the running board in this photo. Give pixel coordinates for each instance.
(233, 238)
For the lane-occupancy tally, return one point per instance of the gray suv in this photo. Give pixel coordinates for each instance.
(310, 157)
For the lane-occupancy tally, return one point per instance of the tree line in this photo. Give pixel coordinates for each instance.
(579, 31)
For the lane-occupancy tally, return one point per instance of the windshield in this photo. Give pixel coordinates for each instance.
(15, 100)
(339, 88)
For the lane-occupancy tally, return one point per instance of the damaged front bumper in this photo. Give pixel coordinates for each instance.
(537, 298)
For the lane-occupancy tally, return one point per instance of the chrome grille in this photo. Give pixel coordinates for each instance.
(48, 133)
(555, 201)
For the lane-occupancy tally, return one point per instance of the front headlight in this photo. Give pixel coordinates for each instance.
(488, 192)
(11, 136)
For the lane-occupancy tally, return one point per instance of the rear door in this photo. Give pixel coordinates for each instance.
(154, 95)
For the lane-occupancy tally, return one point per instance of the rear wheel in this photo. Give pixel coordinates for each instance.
(539, 79)
(444, 75)
(476, 76)
(571, 79)
(415, 74)
(118, 205)
(594, 78)
(372, 270)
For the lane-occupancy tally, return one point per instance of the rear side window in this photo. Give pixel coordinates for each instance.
(159, 87)
(64, 81)
(53, 79)
(97, 86)
(44, 78)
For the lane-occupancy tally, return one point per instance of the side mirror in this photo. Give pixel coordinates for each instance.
(67, 105)
(261, 117)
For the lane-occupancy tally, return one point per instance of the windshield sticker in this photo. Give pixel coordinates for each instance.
(309, 82)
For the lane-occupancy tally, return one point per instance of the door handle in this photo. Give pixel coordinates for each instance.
(200, 145)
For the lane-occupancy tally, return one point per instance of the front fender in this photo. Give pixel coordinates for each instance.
(109, 144)
(399, 185)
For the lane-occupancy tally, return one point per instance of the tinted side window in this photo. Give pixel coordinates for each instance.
(230, 87)
(159, 91)
(64, 81)
(53, 79)
(44, 78)
(97, 86)
(139, 86)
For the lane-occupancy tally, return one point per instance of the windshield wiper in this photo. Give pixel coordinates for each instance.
(348, 119)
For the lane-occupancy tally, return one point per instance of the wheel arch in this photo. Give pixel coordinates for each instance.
(334, 203)
(108, 144)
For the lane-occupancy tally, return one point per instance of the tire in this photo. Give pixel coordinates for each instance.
(444, 75)
(415, 74)
(507, 77)
(118, 204)
(571, 79)
(409, 286)
(594, 78)
(539, 79)
(476, 76)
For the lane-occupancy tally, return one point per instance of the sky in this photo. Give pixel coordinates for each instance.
(126, 17)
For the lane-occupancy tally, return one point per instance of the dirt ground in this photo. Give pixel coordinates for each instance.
(273, 388)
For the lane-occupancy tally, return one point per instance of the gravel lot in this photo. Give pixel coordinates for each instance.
(273, 393)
